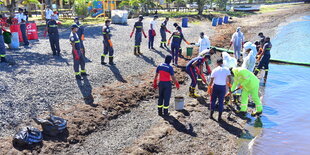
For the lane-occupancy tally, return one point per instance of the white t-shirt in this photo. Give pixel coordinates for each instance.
(48, 13)
(220, 75)
(21, 16)
(153, 23)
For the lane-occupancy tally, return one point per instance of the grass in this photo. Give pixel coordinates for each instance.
(174, 14)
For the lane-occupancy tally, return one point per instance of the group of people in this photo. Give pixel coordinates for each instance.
(231, 72)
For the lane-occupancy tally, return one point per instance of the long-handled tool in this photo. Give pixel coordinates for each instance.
(227, 99)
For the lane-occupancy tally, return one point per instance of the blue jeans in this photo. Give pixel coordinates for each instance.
(218, 93)
(175, 52)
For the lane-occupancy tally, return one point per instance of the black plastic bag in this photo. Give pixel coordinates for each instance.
(27, 136)
(53, 125)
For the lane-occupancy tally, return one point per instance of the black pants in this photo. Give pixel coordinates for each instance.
(54, 42)
(24, 34)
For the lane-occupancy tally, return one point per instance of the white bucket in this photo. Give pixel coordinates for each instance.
(179, 103)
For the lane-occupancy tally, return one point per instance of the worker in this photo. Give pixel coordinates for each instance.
(152, 32)
(228, 61)
(177, 37)
(249, 84)
(261, 41)
(264, 62)
(80, 33)
(48, 13)
(107, 43)
(163, 30)
(237, 40)
(166, 73)
(78, 56)
(53, 35)
(194, 67)
(203, 42)
(138, 35)
(177, 27)
(217, 87)
(22, 22)
(249, 56)
(2, 46)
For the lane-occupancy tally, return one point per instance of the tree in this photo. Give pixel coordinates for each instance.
(178, 3)
(201, 4)
(222, 4)
(145, 5)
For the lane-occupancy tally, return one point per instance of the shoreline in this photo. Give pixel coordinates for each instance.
(193, 107)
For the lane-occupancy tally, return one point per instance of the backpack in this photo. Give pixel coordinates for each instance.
(27, 136)
(53, 125)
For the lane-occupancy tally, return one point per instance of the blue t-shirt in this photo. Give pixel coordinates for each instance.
(198, 59)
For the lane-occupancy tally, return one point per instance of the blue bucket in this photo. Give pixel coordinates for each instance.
(184, 22)
(226, 19)
(220, 21)
(214, 21)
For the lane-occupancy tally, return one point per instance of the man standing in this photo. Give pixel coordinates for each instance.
(166, 73)
(237, 41)
(250, 86)
(107, 43)
(163, 30)
(2, 46)
(203, 42)
(217, 87)
(265, 60)
(80, 33)
(22, 22)
(152, 32)
(138, 35)
(78, 56)
(53, 35)
(177, 38)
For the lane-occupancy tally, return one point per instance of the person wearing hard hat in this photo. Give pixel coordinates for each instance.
(138, 35)
(249, 56)
(78, 56)
(203, 42)
(152, 33)
(237, 40)
(249, 84)
(163, 30)
(165, 73)
(264, 62)
(107, 43)
(53, 35)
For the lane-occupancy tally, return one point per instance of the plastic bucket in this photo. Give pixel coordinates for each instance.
(184, 22)
(226, 19)
(214, 21)
(15, 41)
(220, 21)
(189, 51)
(179, 102)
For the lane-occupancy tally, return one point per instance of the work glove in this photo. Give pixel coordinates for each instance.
(177, 84)
(155, 86)
(168, 31)
(193, 44)
(153, 33)
(240, 87)
(168, 42)
(188, 43)
(110, 43)
(82, 37)
(229, 85)
(76, 55)
(145, 36)
(131, 34)
(209, 90)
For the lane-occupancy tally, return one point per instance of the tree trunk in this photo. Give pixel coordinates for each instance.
(61, 4)
(48, 2)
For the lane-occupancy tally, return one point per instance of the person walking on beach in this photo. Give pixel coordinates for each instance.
(203, 42)
(237, 40)
(78, 56)
(165, 73)
(264, 62)
(53, 35)
(138, 35)
(107, 44)
(249, 84)
(163, 30)
(152, 33)
(217, 87)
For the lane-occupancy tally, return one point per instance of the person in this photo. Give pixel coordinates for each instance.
(163, 30)
(209, 52)
(179, 28)
(249, 84)
(138, 35)
(265, 60)
(26, 14)
(48, 13)
(152, 32)
(203, 42)
(53, 35)
(177, 38)
(261, 41)
(80, 33)
(194, 67)
(217, 87)
(2, 46)
(165, 73)
(107, 43)
(78, 56)
(249, 56)
(22, 22)
(228, 61)
(237, 41)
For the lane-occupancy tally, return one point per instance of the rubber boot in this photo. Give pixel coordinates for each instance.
(166, 113)
(220, 116)
(3, 59)
(139, 51)
(265, 77)
(161, 45)
(165, 45)
(102, 60)
(256, 113)
(160, 111)
(193, 94)
(256, 72)
(211, 114)
(135, 51)
(111, 61)
(78, 77)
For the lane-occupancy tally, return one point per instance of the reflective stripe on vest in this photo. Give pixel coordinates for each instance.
(52, 26)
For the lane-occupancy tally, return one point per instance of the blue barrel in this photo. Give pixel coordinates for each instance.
(226, 19)
(214, 21)
(220, 21)
(184, 22)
